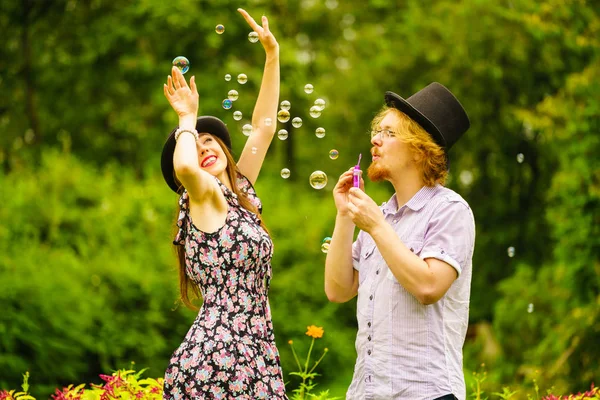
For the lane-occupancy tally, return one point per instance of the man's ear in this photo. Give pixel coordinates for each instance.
(417, 157)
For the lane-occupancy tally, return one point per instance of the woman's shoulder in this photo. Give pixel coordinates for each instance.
(244, 184)
(248, 189)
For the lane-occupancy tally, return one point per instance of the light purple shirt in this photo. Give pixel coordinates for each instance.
(407, 350)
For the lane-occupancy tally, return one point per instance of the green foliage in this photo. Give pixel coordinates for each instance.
(303, 391)
(90, 273)
(14, 395)
(123, 384)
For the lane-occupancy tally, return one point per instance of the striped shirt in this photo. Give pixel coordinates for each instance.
(407, 350)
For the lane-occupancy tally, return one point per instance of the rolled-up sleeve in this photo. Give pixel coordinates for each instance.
(450, 234)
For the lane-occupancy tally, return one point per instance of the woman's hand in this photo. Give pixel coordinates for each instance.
(264, 34)
(183, 98)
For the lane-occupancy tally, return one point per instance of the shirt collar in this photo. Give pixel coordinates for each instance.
(415, 203)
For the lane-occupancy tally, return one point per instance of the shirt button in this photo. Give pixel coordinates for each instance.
(369, 352)
(371, 297)
(411, 249)
(369, 324)
(369, 338)
(377, 272)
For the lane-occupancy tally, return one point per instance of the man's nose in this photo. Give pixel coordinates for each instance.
(376, 140)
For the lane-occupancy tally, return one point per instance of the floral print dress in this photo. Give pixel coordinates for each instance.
(229, 352)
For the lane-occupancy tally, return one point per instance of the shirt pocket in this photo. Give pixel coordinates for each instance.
(415, 246)
(365, 256)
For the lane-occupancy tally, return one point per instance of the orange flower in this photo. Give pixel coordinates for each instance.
(314, 331)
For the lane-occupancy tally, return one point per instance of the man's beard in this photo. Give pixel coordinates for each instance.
(376, 173)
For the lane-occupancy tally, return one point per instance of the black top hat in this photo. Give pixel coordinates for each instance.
(204, 124)
(437, 110)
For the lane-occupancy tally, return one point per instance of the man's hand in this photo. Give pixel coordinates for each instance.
(340, 191)
(364, 212)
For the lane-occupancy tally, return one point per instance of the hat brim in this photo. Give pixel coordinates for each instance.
(204, 124)
(397, 102)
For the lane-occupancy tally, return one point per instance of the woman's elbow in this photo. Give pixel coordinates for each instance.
(184, 168)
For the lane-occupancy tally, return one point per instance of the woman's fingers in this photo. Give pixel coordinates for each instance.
(193, 85)
(248, 19)
(176, 82)
(170, 87)
(265, 24)
(180, 79)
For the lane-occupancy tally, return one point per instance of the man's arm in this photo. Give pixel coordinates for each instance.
(449, 239)
(341, 279)
(427, 280)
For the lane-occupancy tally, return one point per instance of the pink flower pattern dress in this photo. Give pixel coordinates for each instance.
(229, 352)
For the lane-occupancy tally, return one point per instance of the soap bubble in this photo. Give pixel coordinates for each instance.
(227, 104)
(320, 132)
(320, 103)
(220, 29)
(233, 95)
(466, 177)
(227, 77)
(297, 122)
(333, 154)
(308, 88)
(520, 158)
(237, 115)
(285, 105)
(283, 116)
(315, 112)
(242, 79)
(253, 37)
(325, 244)
(530, 308)
(282, 134)
(318, 179)
(254, 150)
(182, 63)
(247, 129)
(511, 251)
(268, 121)
(285, 173)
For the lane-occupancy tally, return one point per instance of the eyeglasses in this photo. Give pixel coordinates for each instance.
(384, 134)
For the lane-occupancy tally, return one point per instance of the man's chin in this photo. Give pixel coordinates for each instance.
(376, 174)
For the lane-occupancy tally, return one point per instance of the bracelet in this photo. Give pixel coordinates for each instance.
(179, 131)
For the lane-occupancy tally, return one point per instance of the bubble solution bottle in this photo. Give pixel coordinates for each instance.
(356, 173)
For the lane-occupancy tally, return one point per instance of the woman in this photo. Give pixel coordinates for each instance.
(224, 248)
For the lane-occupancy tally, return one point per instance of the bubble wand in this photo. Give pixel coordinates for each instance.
(356, 173)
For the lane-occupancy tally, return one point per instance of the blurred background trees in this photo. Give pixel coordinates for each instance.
(88, 274)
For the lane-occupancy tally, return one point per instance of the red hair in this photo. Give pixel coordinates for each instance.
(430, 155)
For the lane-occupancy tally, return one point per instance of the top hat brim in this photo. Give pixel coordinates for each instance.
(204, 124)
(399, 103)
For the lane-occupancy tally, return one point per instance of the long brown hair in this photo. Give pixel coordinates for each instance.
(185, 283)
(431, 156)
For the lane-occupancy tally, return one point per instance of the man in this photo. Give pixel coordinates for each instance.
(411, 262)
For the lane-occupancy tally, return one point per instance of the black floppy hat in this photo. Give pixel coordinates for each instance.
(204, 124)
(437, 110)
